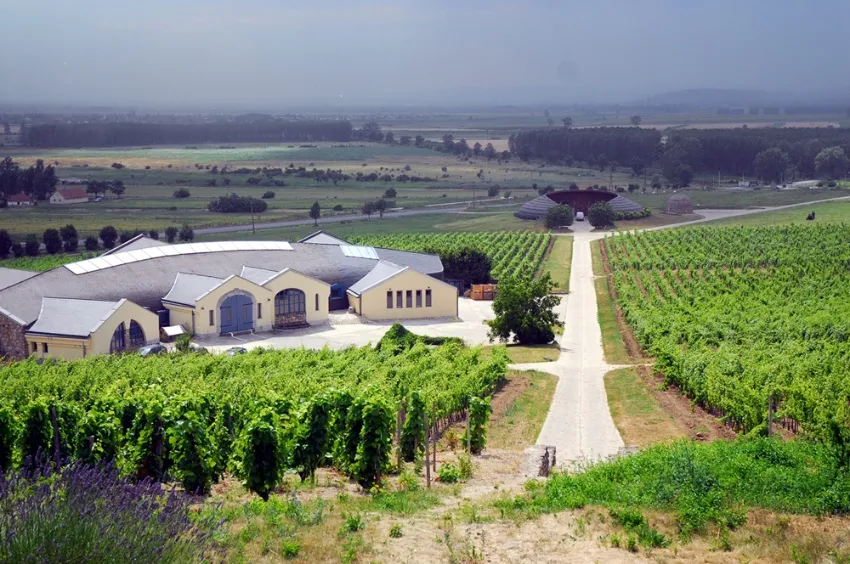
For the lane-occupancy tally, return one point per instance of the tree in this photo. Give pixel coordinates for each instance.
(117, 187)
(476, 149)
(371, 131)
(153, 234)
(637, 165)
(52, 241)
(524, 311)
(125, 236)
(390, 194)
(380, 206)
(43, 180)
(635, 120)
(389, 138)
(18, 249)
(368, 209)
(68, 232)
(108, 235)
(91, 243)
(601, 215)
(832, 163)
(171, 233)
(71, 245)
(419, 140)
(572, 186)
(559, 216)
(7, 127)
(464, 263)
(5, 243)
(771, 164)
(315, 213)
(448, 142)
(187, 234)
(493, 191)
(268, 195)
(182, 193)
(489, 152)
(568, 122)
(684, 175)
(404, 140)
(32, 246)
(8, 177)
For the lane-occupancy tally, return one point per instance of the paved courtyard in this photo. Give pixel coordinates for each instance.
(344, 330)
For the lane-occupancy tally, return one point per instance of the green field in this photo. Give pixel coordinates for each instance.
(825, 212)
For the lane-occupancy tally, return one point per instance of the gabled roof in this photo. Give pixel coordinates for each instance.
(262, 276)
(140, 241)
(71, 317)
(19, 198)
(322, 238)
(73, 193)
(11, 276)
(383, 271)
(256, 275)
(189, 288)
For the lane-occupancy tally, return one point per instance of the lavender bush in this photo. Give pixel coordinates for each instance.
(90, 514)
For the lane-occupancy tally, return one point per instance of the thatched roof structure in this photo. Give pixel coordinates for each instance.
(579, 200)
(679, 204)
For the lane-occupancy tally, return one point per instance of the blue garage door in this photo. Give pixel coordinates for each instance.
(237, 314)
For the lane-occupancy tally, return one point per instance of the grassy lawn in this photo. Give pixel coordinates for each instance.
(612, 340)
(519, 424)
(826, 212)
(558, 263)
(729, 199)
(520, 354)
(638, 416)
(657, 219)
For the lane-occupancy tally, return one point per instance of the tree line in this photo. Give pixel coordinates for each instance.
(67, 240)
(123, 134)
(794, 152)
(37, 181)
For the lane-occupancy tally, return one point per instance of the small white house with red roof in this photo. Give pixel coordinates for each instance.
(69, 196)
(16, 200)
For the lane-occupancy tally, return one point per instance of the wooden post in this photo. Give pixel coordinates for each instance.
(769, 415)
(398, 424)
(427, 462)
(434, 457)
(468, 433)
(56, 454)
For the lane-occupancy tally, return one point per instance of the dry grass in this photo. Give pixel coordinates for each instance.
(638, 415)
(521, 354)
(519, 410)
(612, 338)
(558, 262)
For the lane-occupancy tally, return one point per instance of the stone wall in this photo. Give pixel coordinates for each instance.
(13, 344)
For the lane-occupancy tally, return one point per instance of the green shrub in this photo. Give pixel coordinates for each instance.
(395, 531)
(290, 549)
(354, 523)
(464, 462)
(183, 342)
(449, 473)
(704, 483)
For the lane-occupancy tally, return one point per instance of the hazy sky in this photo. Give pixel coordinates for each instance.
(271, 53)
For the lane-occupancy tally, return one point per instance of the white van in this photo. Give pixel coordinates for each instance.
(579, 216)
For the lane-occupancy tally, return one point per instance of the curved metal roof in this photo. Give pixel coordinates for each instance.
(537, 208)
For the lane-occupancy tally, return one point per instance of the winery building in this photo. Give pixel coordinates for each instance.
(120, 300)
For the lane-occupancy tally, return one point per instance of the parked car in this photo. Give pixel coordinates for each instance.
(579, 216)
(152, 350)
(233, 351)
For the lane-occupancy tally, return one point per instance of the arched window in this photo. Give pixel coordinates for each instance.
(137, 335)
(290, 301)
(118, 342)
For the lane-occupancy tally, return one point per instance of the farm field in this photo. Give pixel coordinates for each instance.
(739, 199)
(149, 203)
(735, 316)
(512, 254)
